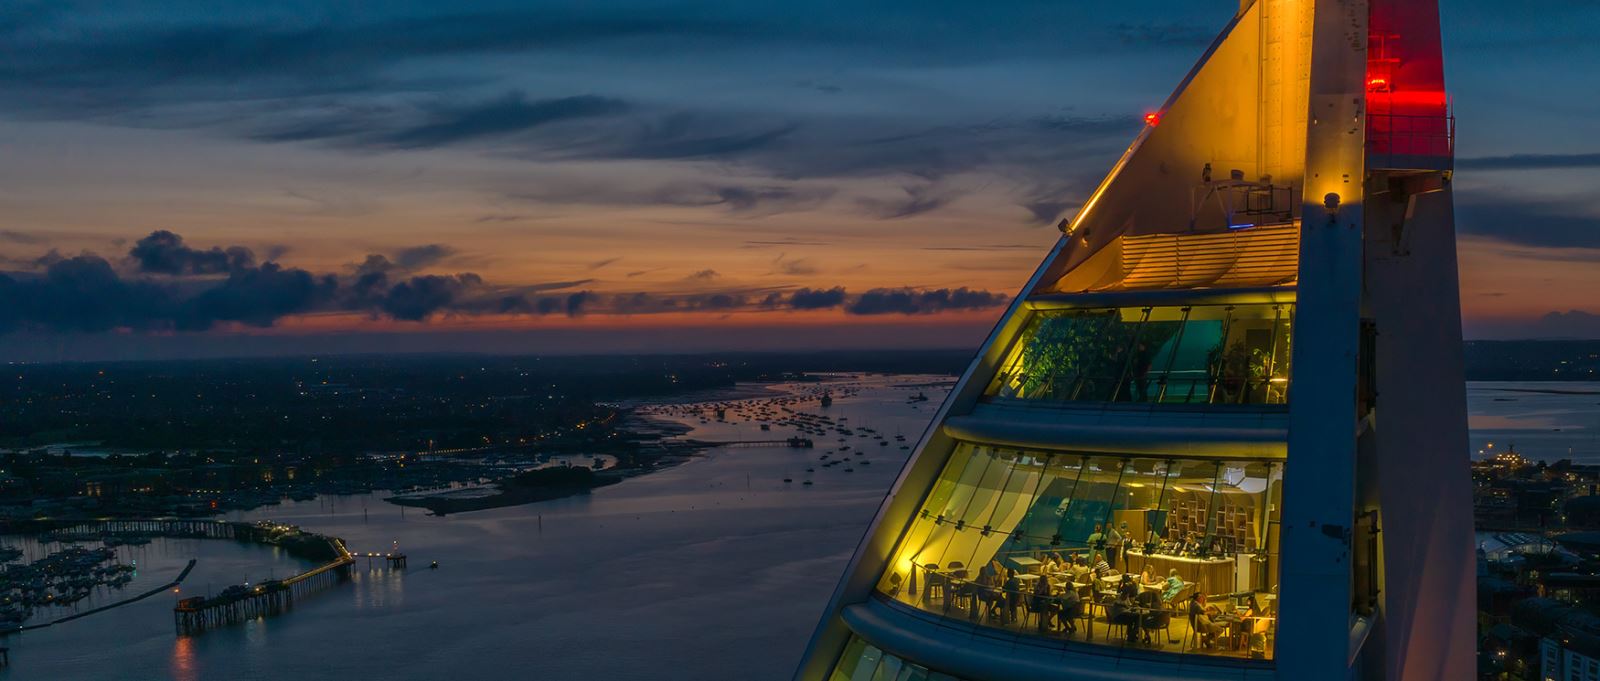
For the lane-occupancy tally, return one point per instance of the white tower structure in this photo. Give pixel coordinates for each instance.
(1167, 460)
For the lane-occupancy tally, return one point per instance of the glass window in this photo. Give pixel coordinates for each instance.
(863, 661)
(1199, 354)
(1061, 544)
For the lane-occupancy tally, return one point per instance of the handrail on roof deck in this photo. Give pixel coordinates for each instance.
(1163, 297)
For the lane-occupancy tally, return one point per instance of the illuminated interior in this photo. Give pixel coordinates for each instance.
(1006, 534)
(1196, 354)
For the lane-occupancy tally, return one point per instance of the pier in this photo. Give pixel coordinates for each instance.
(239, 602)
(242, 602)
(183, 528)
(793, 443)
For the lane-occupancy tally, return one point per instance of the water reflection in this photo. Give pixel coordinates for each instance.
(182, 664)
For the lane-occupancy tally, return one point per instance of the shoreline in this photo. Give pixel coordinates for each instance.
(662, 441)
(662, 435)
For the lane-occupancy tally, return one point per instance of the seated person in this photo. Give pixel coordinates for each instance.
(1249, 608)
(989, 574)
(1071, 609)
(1101, 568)
(1154, 613)
(1047, 564)
(1191, 545)
(1149, 577)
(1172, 586)
(988, 592)
(1203, 617)
(1043, 604)
(1011, 596)
(1149, 600)
(1122, 610)
(1128, 588)
(1062, 564)
(1079, 569)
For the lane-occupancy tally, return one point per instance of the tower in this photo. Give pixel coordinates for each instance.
(1167, 460)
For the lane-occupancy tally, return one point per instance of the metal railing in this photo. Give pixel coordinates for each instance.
(1411, 141)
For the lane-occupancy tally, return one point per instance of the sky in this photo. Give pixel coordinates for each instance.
(200, 178)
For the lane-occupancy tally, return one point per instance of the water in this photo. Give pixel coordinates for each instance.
(714, 569)
(1546, 421)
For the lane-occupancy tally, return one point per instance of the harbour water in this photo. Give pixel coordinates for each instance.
(714, 569)
(1545, 420)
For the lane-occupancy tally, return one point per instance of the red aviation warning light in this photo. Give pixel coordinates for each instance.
(1152, 118)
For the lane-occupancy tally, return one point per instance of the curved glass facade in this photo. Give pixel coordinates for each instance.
(863, 661)
(1103, 549)
(1190, 354)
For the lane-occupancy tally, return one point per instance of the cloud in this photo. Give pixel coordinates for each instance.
(421, 297)
(705, 275)
(1048, 211)
(744, 200)
(443, 122)
(1166, 35)
(678, 135)
(509, 114)
(911, 301)
(77, 67)
(163, 252)
(257, 296)
(790, 241)
(771, 199)
(575, 303)
(82, 293)
(993, 247)
(799, 267)
(418, 257)
(1530, 162)
(1569, 324)
(817, 299)
(602, 263)
(16, 237)
(651, 303)
(918, 199)
(173, 287)
(405, 260)
(85, 293)
(1550, 223)
(499, 217)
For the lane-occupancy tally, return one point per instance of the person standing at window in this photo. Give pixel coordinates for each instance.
(1118, 541)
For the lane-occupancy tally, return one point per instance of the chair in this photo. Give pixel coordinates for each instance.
(1158, 620)
(1078, 612)
(961, 591)
(935, 582)
(1194, 632)
(1114, 614)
